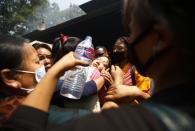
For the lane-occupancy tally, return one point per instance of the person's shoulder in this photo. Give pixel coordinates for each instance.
(133, 118)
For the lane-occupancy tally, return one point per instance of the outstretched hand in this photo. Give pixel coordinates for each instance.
(125, 93)
(44, 89)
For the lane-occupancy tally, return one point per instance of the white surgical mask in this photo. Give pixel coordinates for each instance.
(39, 73)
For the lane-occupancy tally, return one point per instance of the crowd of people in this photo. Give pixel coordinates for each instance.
(144, 83)
(100, 90)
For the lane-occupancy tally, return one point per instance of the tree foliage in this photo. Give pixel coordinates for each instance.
(14, 14)
(52, 15)
(19, 17)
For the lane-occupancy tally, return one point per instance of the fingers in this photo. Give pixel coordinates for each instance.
(69, 61)
(109, 105)
(144, 95)
(111, 90)
(109, 97)
(107, 77)
(118, 70)
(111, 94)
(115, 69)
(81, 62)
(105, 73)
(110, 80)
(112, 68)
(105, 70)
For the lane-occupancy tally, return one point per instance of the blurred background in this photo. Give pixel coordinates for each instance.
(43, 20)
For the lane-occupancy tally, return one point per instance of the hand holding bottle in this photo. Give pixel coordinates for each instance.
(67, 62)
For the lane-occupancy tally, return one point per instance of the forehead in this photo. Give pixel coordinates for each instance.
(103, 59)
(43, 51)
(28, 49)
(119, 43)
(29, 53)
(100, 49)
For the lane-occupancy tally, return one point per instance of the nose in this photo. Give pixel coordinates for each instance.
(114, 50)
(47, 60)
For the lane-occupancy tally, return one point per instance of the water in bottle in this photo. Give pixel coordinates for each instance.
(73, 84)
(74, 79)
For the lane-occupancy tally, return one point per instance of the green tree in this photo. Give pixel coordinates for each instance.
(52, 15)
(14, 14)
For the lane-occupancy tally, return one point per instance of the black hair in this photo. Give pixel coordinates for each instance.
(105, 52)
(35, 45)
(60, 49)
(123, 39)
(11, 49)
(41, 45)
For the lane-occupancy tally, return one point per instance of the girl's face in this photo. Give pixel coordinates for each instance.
(120, 47)
(30, 63)
(45, 57)
(100, 63)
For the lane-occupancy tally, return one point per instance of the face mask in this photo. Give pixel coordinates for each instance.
(135, 61)
(27, 90)
(39, 73)
(118, 56)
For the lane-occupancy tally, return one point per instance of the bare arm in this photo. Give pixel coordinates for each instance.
(105, 76)
(123, 93)
(99, 82)
(41, 96)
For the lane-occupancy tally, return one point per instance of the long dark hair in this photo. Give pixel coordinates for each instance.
(61, 48)
(11, 49)
(125, 41)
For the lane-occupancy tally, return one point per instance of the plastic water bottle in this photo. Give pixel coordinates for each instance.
(74, 79)
(73, 84)
(85, 50)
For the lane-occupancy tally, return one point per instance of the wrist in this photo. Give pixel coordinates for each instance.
(53, 72)
(102, 77)
(118, 82)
